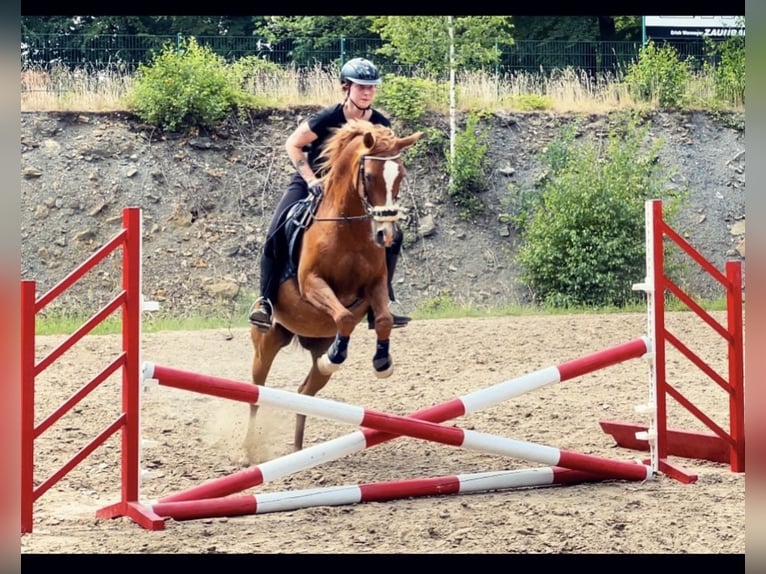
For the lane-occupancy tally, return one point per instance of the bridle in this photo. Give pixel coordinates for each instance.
(380, 213)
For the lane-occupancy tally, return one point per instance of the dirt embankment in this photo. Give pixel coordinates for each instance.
(207, 200)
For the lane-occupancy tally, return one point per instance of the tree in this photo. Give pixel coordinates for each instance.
(424, 41)
(586, 36)
(136, 25)
(307, 35)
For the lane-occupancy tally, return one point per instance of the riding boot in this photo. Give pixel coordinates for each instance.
(262, 310)
(392, 256)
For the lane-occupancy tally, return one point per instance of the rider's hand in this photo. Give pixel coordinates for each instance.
(315, 187)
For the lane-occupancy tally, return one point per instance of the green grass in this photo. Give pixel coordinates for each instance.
(435, 309)
(68, 324)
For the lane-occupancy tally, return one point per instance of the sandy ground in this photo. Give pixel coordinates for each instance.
(191, 438)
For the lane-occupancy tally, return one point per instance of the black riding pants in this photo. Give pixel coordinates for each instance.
(275, 248)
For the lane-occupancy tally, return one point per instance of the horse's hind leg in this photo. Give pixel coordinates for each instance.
(314, 382)
(265, 348)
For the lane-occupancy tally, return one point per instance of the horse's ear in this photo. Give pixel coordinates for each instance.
(409, 140)
(369, 140)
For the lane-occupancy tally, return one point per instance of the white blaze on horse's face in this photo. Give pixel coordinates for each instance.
(383, 227)
(382, 176)
(391, 171)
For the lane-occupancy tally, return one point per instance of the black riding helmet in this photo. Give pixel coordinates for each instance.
(360, 71)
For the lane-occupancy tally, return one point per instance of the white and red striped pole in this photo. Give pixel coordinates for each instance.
(366, 438)
(371, 492)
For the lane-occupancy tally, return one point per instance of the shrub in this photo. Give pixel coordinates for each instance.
(188, 85)
(533, 102)
(729, 73)
(467, 168)
(249, 72)
(583, 243)
(659, 75)
(429, 147)
(407, 98)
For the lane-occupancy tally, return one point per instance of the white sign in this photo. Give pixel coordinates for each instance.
(691, 27)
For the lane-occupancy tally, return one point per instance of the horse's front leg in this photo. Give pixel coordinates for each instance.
(317, 292)
(382, 363)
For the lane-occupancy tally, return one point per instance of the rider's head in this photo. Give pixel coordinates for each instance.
(359, 78)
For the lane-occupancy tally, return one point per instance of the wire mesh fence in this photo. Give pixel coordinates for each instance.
(126, 52)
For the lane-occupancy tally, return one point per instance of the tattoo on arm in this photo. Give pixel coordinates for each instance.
(300, 163)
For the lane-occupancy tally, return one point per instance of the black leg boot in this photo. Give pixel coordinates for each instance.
(261, 311)
(392, 257)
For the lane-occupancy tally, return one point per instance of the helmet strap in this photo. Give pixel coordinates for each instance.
(356, 106)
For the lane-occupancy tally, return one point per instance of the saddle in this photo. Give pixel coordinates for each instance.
(297, 219)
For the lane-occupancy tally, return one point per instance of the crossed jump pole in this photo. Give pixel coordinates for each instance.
(214, 498)
(207, 500)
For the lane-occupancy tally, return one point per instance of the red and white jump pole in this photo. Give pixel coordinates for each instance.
(370, 492)
(420, 424)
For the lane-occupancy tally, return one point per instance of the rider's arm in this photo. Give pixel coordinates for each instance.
(301, 137)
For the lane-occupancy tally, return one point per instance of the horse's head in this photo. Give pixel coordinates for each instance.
(377, 173)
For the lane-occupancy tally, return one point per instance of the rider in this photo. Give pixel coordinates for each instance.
(359, 79)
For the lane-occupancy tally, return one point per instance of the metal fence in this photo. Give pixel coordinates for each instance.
(126, 52)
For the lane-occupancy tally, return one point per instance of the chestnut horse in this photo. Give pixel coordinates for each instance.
(341, 269)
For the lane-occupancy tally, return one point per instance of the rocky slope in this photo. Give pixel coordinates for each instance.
(206, 200)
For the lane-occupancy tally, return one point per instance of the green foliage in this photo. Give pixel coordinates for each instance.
(245, 75)
(244, 70)
(733, 120)
(729, 73)
(441, 303)
(308, 35)
(583, 235)
(467, 169)
(429, 147)
(533, 102)
(406, 98)
(659, 76)
(185, 85)
(424, 41)
(519, 206)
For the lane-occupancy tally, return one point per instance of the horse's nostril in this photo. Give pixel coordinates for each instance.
(380, 237)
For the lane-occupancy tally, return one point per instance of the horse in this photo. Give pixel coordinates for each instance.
(341, 268)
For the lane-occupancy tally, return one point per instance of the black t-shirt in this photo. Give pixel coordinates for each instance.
(322, 124)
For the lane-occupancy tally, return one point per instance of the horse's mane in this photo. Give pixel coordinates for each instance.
(341, 153)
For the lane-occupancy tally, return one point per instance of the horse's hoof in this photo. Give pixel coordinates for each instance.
(385, 370)
(326, 366)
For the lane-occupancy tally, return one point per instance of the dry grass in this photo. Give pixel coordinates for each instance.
(567, 90)
(78, 90)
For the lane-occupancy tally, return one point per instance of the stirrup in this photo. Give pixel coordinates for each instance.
(260, 314)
